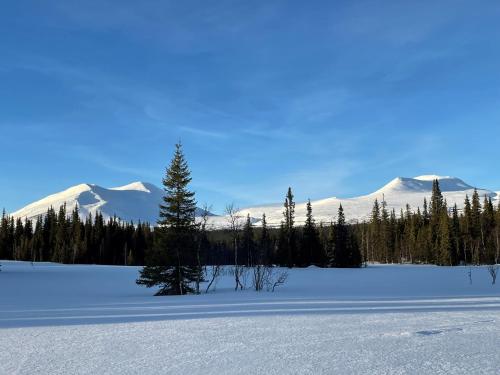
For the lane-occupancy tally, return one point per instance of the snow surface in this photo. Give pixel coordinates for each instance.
(379, 320)
(140, 200)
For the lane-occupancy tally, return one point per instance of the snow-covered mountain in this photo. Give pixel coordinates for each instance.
(139, 201)
(133, 202)
(397, 194)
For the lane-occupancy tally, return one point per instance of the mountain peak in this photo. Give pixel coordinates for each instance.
(137, 186)
(423, 184)
(132, 202)
(432, 177)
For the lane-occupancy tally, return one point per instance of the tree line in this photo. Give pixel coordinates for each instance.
(65, 238)
(437, 234)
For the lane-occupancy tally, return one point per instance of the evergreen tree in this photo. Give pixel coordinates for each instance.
(4, 229)
(61, 237)
(330, 245)
(437, 201)
(443, 239)
(385, 240)
(457, 255)
(281, 248)
(346, 252)
(247, 242)
(37, 246)
(173, 266)
(310, 249)
(18, 238)
(76, 236)
(289, 221)
(340, 246)
(265, 244)
(475, 232)
(467, 231)
(436, 210)
(487, 231)
(374, 233)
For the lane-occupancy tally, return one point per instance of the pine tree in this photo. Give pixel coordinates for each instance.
(443, 239)
(375, 237)
(76, 236)
(487, 231)
(330, 246)
(61, 237)
(477, 249)
(265, 244)
(173, 266)
(18, 238)
(346, 252)
(437, 200)
(455, 236)
(26, 252)
(38, 241)
(467, 231)
(247, 242)
(385, 240)
(4, 224)
(289, 221)
(436, 209)
(310, 249)
(281, 248)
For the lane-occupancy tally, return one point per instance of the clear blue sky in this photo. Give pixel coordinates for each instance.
(334, 98)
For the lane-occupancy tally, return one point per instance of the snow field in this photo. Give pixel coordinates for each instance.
(380, 320)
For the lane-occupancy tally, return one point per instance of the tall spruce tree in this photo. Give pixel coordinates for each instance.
(457, 255)
(477, 249)
(289, 221)
(436, 211)
(346, 252)
(310, 249)
(374, 233)
(248, 242)
(330, 245)
(172, 266)
(444, 243)
(265, 244)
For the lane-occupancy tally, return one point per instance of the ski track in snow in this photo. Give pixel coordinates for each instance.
(380, 320)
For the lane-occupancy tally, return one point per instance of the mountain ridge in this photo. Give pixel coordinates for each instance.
(138, 201)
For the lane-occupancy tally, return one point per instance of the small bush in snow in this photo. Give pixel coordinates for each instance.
(493, 271)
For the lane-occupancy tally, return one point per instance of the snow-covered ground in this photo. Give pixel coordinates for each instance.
(58, 319)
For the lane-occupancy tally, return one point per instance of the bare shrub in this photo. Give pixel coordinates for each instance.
(235, 224)
(493, 271)
(278, 279)
(267, 277)
(215, 274)
(244, 273)
(259, 272)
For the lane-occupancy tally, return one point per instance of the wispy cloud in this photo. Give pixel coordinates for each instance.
(203, 133)
(110, 162)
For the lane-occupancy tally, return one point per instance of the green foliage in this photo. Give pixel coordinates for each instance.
(172, 265)
(288, 246)
(311, 251)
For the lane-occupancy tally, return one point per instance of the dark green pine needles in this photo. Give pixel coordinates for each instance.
(172, 265)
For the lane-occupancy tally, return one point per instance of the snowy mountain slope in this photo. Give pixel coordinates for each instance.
(397, 194)
(139, 201)
(133, 202)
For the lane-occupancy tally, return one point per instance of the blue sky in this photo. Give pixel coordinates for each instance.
(333, 98)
